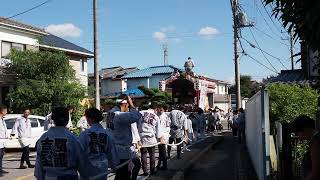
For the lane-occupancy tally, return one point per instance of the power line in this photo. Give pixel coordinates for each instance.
(269, 15)
(254, 46)
(267, 22)
(268, 35)
(262, 51)
(246, 54)
(28, 10)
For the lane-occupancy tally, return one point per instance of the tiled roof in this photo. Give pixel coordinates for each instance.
(116, 72)
(294, 77)
(57, 42)
(12, 23)
(148, 72)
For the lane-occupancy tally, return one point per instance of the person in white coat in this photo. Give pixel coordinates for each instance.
(22, 127)
(164, 131)
(3, 136)
(82, 124)
(71, 110)
(60, 155)
(148, 129)
(98, 143)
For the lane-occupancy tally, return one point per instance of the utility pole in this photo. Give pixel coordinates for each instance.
(96, 56)
(234, 6)
(291, 50)
(165, 54)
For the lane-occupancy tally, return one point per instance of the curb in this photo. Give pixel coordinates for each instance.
(180, 174)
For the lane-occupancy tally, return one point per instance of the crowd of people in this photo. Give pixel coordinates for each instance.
(98, 150)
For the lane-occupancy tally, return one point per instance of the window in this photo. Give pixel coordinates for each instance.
(41, 121)
(82, 65)
(10, 122)
(34, 122)
(18, 47)
(5, 49)
(7, 46)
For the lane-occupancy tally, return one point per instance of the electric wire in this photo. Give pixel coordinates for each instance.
(263, 52)
(26, 11)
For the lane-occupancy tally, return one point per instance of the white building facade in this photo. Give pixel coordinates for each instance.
(19, 36)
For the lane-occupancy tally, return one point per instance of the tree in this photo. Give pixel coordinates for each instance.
(44, 80)
(154, 95)
(247, 85)
(300, 17)
(289, 101)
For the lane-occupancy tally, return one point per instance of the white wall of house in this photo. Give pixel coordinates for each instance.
(221, 89)
(155, 79)
(133, 83)
(80, 65)
(109, 86)
(16, 36)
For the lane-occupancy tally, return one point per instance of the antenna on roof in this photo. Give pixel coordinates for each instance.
(165, 54)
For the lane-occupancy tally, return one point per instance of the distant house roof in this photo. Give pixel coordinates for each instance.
(116, 72)
(52, 41)
(148, 72)
(18, 25)
(296, 76)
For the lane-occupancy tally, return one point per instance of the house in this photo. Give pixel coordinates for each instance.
(20, 36)
(149, 77)
(112, 81)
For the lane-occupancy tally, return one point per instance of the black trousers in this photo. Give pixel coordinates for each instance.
(234, 131)
(25, 155)
(241, 135)
(1, 157)
(137, 165)
(162, 156)
(123, 172)
(152, 152)
(176, 140)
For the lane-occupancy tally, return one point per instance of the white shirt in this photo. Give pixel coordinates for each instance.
(82, 123)
(3, 133)
(135, 133)
(23, 127)
(164, 127)
(69, 125)
(148, 127)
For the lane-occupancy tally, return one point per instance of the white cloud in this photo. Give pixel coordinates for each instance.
(64, 30)
(160, 36)
(208, 32)
(168, 29)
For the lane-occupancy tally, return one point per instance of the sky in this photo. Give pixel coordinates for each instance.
(132, 33)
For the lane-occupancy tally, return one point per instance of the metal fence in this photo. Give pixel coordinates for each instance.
(290, 152)
(258, 133)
